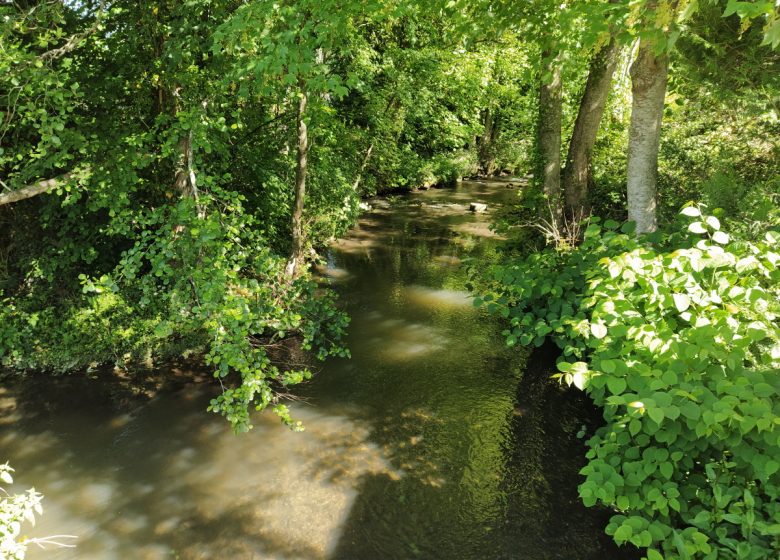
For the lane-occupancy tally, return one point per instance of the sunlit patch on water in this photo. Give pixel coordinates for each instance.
(477, 229)
(333, 272)
(397, 340)
(447, 260)
(94, 495)
(430, 297)
(8, 412)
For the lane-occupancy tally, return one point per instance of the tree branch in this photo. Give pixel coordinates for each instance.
(75, 40)
(34, 189)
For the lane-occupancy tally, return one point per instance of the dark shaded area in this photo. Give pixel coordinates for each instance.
(547, 457)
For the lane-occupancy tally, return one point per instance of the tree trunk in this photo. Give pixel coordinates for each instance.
(185, 181)
(296, 256)
(362, 169)
(648, 88)
(485, 143)
(576, 174)
(549, 134)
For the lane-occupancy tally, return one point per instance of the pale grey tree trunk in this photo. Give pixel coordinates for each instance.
(649, 73)
(296, 256)
(363, 167)
(549, 134)
(576, 174)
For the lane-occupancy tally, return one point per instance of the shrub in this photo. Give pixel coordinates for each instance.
(676, 337)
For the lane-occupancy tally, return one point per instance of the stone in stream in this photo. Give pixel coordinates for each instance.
(477, 207)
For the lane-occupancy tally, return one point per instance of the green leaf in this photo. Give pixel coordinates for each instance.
(713, 222)
(691, 211)
(720, 237)
(697, 227)
(616, 385)
(681, 302)
(681, 550)
(163, 329)
(579, 380)
(598, 330)
(623, 533)
(653, 554)
(656, 414)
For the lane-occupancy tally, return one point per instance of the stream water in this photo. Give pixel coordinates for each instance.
(434, 441)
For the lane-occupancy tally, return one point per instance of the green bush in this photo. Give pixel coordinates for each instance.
(676, 337)
(15, 509)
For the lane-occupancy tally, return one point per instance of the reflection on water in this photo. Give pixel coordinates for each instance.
(420, 446)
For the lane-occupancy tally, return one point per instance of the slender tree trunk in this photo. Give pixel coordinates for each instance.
(485, 165)
(363, 166)
(185, 181)
(549, 134)
(576, 174)
(648, 88)
(296, 257)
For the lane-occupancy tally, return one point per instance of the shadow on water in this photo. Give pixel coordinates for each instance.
(429, 443)
(518, 503)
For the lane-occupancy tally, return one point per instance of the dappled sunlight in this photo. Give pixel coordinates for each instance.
(409, 439)
(430, 297)
(398, 340)
(332, 273)
(447, 260)
(357, 243)
(172, 483)
(406, 449)
(476, 229)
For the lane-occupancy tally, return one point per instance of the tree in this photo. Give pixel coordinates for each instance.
(549, 131)
(649, 73)
(576, 173)
(297, 254)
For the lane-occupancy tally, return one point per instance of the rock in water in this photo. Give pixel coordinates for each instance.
(477, 207)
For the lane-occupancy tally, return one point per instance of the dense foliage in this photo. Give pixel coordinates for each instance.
(677, 338)
(164, 133)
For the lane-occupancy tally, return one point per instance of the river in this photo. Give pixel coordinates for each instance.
(433, 441)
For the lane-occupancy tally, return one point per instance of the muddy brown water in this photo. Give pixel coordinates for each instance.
(434, 441)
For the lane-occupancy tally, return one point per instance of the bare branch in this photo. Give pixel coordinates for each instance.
(34, 189)
(75, 40)
(42, 542)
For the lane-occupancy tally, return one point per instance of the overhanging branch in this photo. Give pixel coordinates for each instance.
(34, 189)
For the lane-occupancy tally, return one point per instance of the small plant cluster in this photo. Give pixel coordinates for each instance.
(676, 337)
(16, 509)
